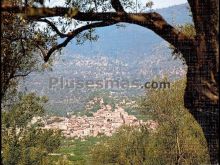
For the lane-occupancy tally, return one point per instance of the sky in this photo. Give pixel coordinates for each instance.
(165, 3)
(157, 3)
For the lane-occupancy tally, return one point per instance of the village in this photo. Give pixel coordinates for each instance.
(104, 121)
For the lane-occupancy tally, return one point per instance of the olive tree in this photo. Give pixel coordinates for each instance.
(200, 52)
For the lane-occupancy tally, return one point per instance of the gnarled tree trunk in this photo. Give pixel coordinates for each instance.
(202, 91)
(200, 99)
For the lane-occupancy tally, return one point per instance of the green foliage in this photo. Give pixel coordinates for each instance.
(189, 31)
(97, 5)
(22, 142)
(21, 113)
(95, 108)
(125, 147)
(178, 139)
(107, 98)
(75, 151)
(22, 42)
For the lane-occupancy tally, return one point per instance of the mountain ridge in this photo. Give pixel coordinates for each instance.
(133, 53)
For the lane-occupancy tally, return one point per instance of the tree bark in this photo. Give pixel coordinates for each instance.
(201, 98)
(202, 90)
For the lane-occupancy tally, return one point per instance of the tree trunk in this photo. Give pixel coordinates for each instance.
(202, 92)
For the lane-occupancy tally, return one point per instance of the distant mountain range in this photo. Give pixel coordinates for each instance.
(121, 53)
(131, 41)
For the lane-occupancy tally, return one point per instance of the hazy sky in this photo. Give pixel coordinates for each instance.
(165, 3)
(157, 3)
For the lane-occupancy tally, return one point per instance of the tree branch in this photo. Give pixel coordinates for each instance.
(21, 75)
(43, 52)
(72, 34)
(116, 4)
(53, 26)
(152, 21)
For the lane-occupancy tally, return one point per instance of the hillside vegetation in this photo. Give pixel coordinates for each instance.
(178, 139)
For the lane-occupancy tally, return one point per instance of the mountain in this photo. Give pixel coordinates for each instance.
(130, 53)
(131, 40)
